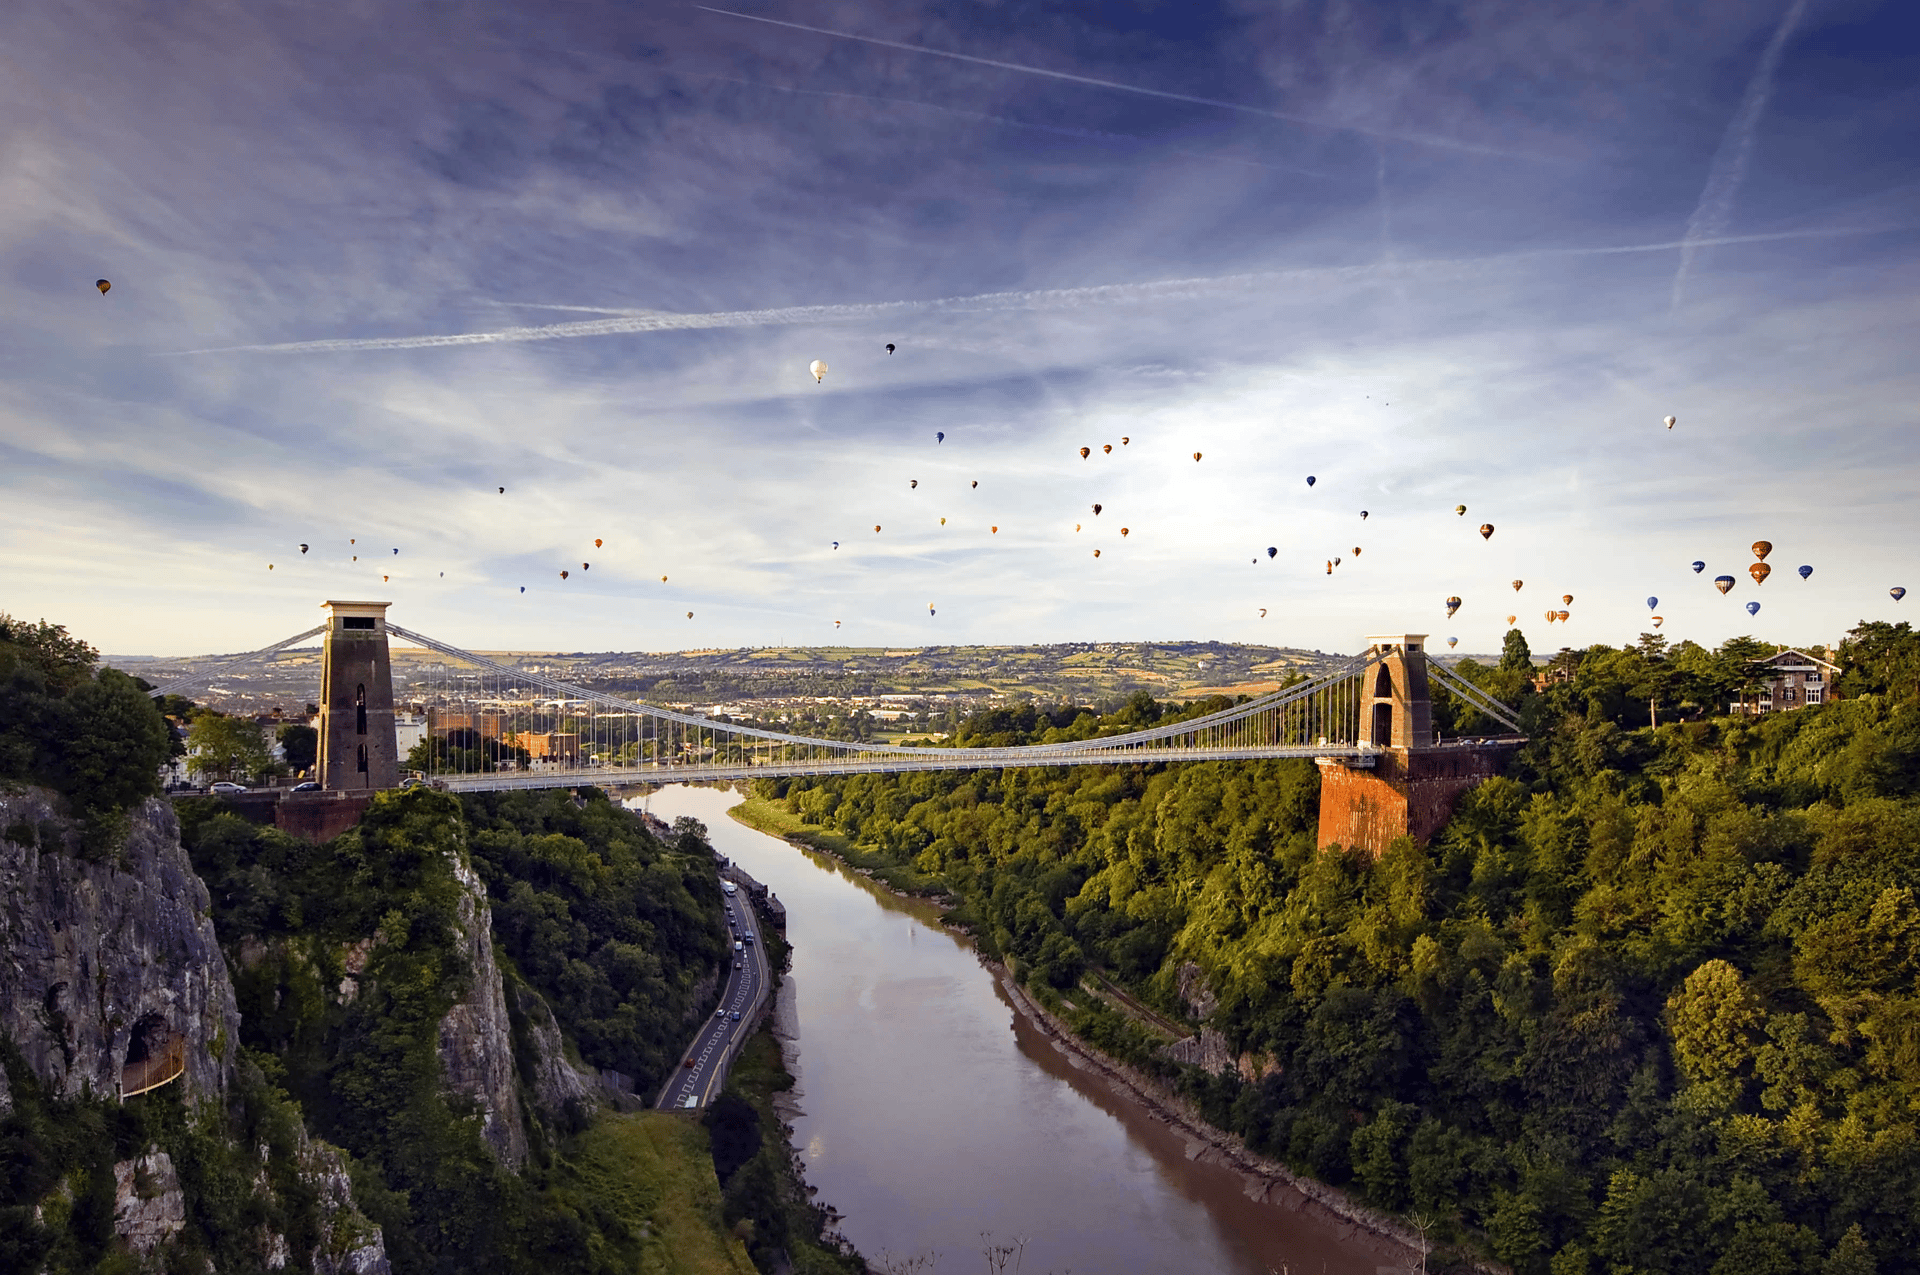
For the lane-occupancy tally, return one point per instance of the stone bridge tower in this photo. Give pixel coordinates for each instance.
(1410, 786)
(358, 750)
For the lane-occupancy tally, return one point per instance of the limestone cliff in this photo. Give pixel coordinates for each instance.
(555, 1082)
(476, 1040)
(110, 969)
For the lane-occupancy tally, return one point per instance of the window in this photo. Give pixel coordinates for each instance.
(360, 710)
(1382, 725)
(1383, 684)
(356, 622)
(362, 767)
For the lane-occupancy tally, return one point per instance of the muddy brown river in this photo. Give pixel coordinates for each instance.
(930, 1112)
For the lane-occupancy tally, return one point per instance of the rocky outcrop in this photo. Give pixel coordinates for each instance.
(111, 962)
(476, 1040)
(349, 1243)
(555, 1082)
(1195, 995)
(1211, 1052)
(148, 1206)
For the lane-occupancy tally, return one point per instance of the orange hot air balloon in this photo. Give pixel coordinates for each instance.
(356, 557)
(1761, 548)
(1511, 619)
(1123, 533)
(1759, 571)
(876, 528)
(1329, 566)
(1085, 452)
(689, 615)
(1263, 613)
(350, 540)
(1096, 553)
(383, 579)
(836, 624)
(1196, 457)
(1567, 598)
(663, 579)
(1124, 440)
(585, 565)
(993, 530)
(1486, 531)
(563, 575)
(1517, 584)
(1107, 448)
(1562, 617)
(1657, 621)
(596, 542)
(1356, 551)
(1076, 526)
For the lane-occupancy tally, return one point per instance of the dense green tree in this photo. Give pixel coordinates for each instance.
(301, 744)
(223, 747)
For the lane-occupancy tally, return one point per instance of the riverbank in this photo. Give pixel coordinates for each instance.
(1263, 1180)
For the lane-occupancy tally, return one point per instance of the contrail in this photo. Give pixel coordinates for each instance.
(1729, 167)
(637, 321)
(1423, 139)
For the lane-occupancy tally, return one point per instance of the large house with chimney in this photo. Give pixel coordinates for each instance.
(1786, 679)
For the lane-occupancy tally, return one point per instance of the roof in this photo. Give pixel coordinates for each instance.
(1779, 658)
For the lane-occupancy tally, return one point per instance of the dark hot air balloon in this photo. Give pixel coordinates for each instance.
(270, 567)
(303, 548)
(1723, 583)
(1896, 593)
(939, 436)
(1311, 480)
(585, 565)
(1107, 448)
(1085, 452)
(976, 482)
(1486, 531)
(1096, 553)
(503, 491)
(1805, 572)
(1761, 548)
(913, 482)
(1753, 608)
(1273, 551)
(876, 528)
(1567, 598)
(103, 285)
(1096, 511)
(1759, 571)
(1652, 603)
(1517, 584)
(836, 544)
(836, 623)
(523, 588)
(1453, 604)
(563, 575)
(1460, 510)
(1356, 551)
(1196, 458)
(1562, 616)
(1698, 567)
(1124, 440)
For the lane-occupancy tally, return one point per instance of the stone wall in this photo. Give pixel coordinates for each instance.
(1409, 792)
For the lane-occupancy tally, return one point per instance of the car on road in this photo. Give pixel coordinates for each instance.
(721, 1012)
(736, 965)
(736, 1015)
(687, 1063)
(412, 781)
(309, 786)
(223, 787)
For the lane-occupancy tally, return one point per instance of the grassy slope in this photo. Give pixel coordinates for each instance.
(654, 1171)
(774, 819)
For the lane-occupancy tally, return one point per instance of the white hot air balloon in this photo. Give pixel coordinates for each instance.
(819, 369)
(1672, 421)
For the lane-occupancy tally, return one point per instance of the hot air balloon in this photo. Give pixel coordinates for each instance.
(596, 542)
(1511, 619)
(943, 522)
(876, 528)
(1452, 642)
(1552, 616)
(269, 566)
(929, 608)
(383, 579)
(1196, 458)
(1759, 571)
(1761, 548)
(819, 370)
(836, 544)
(836, 623)
(1085, 452)
(1124, 440)
(523, 588)
(1356, 551)
(1311, 480)
(976, 482)
(1698, 567)
(939, 436)
(913, 482)
(1336, 560)
(1561, 616)
(1896, 593)
(1123, 533)
(1652, 603)
(103, 285)
(563, 575)
(356, 557)
(1517, 584)
(1805, 572)
(1753, 608)
(1107, 448)
(1329, 567)
(1453, 604)
(1096, 511)
(503, 491)
(585, 565)
(1723, 583)
(396, 553)
(1671, 421)
(1096, 553)
(1461, 510)
(1486, 531)
(689, 615)
(351, 540)
(993, 531)
(1273, 551)
(1363, 515)
(1657, 621)
(1263, 613)
(303, 549)
(1076, 526)
(663, 579)
(1567, 598)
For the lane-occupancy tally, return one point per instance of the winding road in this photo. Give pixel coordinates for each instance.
(703, 1070)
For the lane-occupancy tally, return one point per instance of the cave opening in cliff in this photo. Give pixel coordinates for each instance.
(155, 1054)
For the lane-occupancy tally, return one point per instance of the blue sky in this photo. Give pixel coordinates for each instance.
(1431, 254)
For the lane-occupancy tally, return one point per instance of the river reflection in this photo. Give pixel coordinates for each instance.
(931, 1112)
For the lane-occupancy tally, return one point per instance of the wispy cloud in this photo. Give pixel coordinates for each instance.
(627, 322)
(1421, 139)
(1729, 169)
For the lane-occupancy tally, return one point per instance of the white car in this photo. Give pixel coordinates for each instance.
(224, 787)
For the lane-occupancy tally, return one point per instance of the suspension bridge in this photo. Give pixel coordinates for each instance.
(491, 726)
